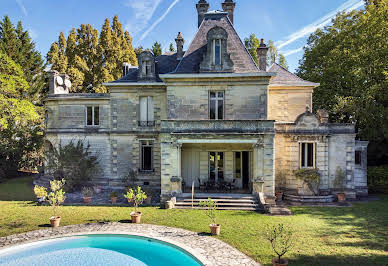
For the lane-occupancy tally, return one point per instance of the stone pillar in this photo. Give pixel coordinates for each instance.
(269, 166)
(228, 6)
(179, 46)
(262, 55)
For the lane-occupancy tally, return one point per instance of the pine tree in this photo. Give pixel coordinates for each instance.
(157, 49)
(172, 47)
(139, 50)
(282, 61)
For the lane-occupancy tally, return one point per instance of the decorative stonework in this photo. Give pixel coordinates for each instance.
(209, 250)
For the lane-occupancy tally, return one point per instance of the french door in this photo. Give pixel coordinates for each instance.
(216, 166)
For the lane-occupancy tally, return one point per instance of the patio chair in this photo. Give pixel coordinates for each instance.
(201, 186)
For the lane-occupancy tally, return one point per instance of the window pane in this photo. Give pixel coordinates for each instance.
(221, 94)
(212, 109)
(147, 158)
(143, 108)
(217, 59)
(357, 156)
(89, 116)
(220, 109)
(96, 115)
(220, 165)
(310, 155)
(212, 165)
(237, 164)
(212, 95)
(150, 109)
(303, 164)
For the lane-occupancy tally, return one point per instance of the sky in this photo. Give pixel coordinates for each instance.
(287, 22)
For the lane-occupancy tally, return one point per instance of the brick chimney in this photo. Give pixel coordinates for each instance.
(58, 83)
(202, 8)
(262, 55)
(229, 6)
(179, 46)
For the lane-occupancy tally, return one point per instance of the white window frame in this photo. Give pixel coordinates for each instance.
(86, 115)
(216, 99)
(149, 143)
(306, 154)
(150, 114)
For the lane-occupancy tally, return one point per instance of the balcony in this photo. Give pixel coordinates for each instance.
(146, 123)
(217, 126)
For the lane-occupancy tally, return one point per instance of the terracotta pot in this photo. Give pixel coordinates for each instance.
(55, 221)
(341, 197)
(87, 200)
(279, 196)
(136, 217)
(282, 262)
(113, 199)
(215, 229)
(148, 200)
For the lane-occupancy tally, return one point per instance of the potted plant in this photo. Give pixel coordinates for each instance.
(310, 177)
(281, 242)
(210, 208)
(339, 184)
(87, 194)
(56, 197)
(137, 196)
(281, 182)
(113, 196)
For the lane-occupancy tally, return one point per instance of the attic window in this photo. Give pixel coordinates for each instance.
(217, 45)
(146, 67)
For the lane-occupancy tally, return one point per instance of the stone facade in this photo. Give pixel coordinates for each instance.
(187, 121)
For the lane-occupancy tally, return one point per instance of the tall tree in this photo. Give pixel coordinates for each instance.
(282, 61)
(20, 121)
(17, 44)
(349, 59)
(157, 49)
(172, 47)
(139, 50)
(90, 58)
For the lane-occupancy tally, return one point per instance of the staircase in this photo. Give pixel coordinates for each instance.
(238, 202)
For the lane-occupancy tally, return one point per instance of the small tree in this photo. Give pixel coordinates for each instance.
(56, 196)
(137, 196)
(311, 177)
(280, 239)
(40, 192)
(210, 207)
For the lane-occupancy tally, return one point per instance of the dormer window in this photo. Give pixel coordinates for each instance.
(146, 66)
(217, 44)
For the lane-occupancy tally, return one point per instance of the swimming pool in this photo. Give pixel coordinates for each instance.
(98, 250)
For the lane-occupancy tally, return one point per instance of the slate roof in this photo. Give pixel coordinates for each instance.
(286, 78)
(243, 62)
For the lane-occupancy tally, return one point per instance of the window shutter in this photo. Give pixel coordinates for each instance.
(143, 109)
(150, 109)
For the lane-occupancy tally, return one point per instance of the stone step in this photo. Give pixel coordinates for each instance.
(179, 203)
(223, 208)
(220, 200)
(283, 211)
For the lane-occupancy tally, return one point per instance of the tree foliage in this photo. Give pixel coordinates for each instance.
(20, 121)
(349, 59)
(91, 58)
(172, 47)
(16, 43)
(157, 49)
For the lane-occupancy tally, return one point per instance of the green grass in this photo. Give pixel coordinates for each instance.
(17, 189)
(323, 235)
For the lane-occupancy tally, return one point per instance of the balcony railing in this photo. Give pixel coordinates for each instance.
(217, 126)
(146, 123)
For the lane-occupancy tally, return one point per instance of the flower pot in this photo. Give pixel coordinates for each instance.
(55, 221)
(136, 217)
(282, 262)
(113, 199)
(279, 196)
(215, 229)
(148, 200)
(87, 200)
(97, 190)
(341, 197)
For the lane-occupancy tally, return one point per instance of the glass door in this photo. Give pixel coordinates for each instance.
(216, 166)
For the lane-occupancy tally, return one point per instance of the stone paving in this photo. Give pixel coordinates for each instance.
(209, 250)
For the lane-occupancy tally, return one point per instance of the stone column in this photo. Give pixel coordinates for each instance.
(269, 166)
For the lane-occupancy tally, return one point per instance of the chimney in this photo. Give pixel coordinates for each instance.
(58, 83)
(126, 67)
(262, 55)
(179, 46)
(323, 116)
(202, 8)
(228, 6)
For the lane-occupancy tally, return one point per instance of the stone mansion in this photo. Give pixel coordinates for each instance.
(207, 113)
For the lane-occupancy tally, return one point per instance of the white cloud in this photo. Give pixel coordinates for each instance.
(160, 19)
(291, 52)
(320, 23)
(143, 10)
(22, 7)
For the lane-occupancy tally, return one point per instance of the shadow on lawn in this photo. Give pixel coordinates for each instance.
(339, 260)
(366, 221)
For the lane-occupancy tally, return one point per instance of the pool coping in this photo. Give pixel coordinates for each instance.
(208, 250)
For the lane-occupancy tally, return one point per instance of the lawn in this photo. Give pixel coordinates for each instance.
(355, 235)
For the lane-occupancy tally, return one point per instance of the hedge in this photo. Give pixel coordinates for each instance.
(378, 179)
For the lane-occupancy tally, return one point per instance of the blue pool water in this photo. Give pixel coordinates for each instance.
(99, 250)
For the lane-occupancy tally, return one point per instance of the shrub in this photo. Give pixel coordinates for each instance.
(113, 194)
(56, 196)
(40, 192)
(210, 207)
(129, 180)
(75, 161)
(339, 181)
(280, 238)
(311, 177)
(378, 179)
(137, 196)
(87, 192)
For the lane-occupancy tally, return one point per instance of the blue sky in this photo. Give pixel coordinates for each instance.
(287, 22)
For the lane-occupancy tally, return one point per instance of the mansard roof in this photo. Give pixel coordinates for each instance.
(285, 78)
(243, 62)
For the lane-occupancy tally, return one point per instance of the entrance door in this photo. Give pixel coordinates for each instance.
(241, 168)
(245, 167)
(216, 166)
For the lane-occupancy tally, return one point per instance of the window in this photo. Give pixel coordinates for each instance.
(216, 103)
(146, 67)
(307, 155)
(237, 165)
(146, 148)
(92, 115)
(217, 45)
(357, 157)
(146, 111)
